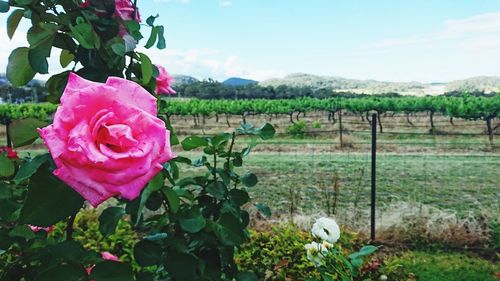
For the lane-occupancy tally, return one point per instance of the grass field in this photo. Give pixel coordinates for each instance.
(456, 170)
(460, 183)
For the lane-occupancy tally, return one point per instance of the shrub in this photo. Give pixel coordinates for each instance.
(86, 231)
(277, 254)
(316, 125)
(298, 129)
(280, 254)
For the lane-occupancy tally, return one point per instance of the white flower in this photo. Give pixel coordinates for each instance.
(315, 252)
(383, 277)
(326, 229)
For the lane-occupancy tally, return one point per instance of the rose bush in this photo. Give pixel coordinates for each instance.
(112, 137)
(106, 139)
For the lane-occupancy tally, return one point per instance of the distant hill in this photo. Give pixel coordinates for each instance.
(485, 84)
(344, 84)
(235, 81)
(183, 79)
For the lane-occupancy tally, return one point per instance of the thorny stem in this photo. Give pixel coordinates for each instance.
(215, 166)
(69, 228)
(165, 200)
(230, 151)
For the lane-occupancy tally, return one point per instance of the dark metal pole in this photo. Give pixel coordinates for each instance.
(7, 135)
(374, 175)
(340, 128)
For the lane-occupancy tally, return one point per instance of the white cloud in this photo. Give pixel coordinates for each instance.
(483, 23)
(225, 3)
(208, 63)
(469, 29)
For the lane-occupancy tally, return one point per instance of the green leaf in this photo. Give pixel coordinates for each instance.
(24, 131)
(4, 6)
(161, 38)
(246, 276)
(191, 220)
(5, 192)
(173, 199)
(193, 142)
(62, 273)
(41, 38)
(229, 230)
(154, 185)
(133, 28)
(146, 68)
(218, 189)
(152, 37)
(66, 58)
(13, 22)
(238, 197)
(181, 266)
(19, 71)
(27, 169)
(55, 85)
(49, 200)
(67, 251)
(119, 49)
(22, 231)
(151, 20)
(85, 35)
(111, 271)
(365, 251)
(266, 132)
(147, 253)
(264, 210)
(109, 220)
(7, 167)
(249, 179)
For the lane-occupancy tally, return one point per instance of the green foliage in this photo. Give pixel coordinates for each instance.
(277, 254)
(298, 129)
(440, 266)
(316, 125)
(465, 106)
(46, 206)
(86, 231)
(23, 131)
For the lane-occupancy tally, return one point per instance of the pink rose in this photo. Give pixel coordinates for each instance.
(38, 228)
(109, 256)
(125, 10)
(11, 153)
(105, 256)
(106, 139)
(164, 81)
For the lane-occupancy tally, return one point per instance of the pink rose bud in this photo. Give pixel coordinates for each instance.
(11, 153)
(38, 228)
(125, 10)
(109, 256)
(105, 256)
(164, 82)
(106, 139)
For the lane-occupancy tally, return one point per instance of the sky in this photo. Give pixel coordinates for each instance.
(390, 40)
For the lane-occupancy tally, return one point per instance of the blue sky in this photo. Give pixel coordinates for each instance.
(424, 40)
